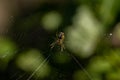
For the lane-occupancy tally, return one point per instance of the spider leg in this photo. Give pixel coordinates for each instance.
(62, 47)
(52, 45)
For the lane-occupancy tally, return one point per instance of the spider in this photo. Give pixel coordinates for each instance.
(59, 41)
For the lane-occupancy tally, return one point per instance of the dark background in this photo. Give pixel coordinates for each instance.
(92, 40)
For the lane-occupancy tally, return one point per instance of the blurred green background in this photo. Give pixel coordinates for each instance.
(92, 39)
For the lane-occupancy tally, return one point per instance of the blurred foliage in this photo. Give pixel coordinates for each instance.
(7, 51)
(92, 40)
